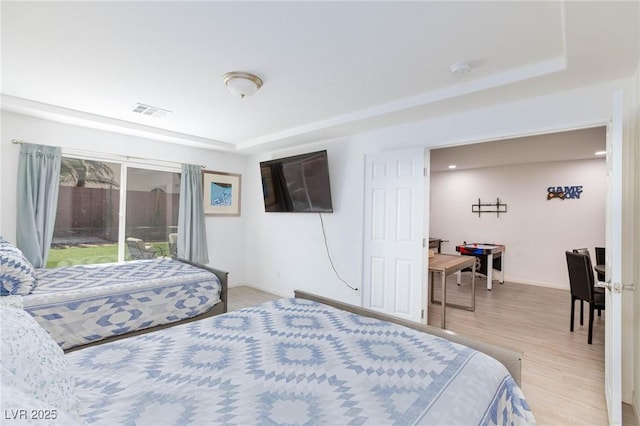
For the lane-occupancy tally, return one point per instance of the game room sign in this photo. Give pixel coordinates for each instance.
(564, 192)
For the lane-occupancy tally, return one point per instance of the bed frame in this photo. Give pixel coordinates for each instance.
(510, 359)
(223, 276)
(217, 309)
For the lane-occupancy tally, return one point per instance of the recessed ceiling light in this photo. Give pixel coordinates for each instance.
(452, 166)
(600, 153)
(460, 68)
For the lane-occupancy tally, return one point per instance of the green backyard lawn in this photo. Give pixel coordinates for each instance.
(88, 254)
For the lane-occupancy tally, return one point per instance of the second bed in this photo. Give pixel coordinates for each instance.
(82, 304)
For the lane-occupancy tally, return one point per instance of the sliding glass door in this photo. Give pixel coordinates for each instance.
(109, 212)
(152, 200)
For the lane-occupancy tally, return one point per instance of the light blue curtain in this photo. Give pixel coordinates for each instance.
(38, 183)
(192, 234)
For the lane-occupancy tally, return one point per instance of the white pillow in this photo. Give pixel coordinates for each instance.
(7, 246)
(32, 362)
(13, 301)
(17, 275)
(18, 408)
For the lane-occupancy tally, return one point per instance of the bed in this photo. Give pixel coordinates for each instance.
(82, 304)
(291, 361)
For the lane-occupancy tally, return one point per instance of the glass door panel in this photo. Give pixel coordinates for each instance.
(152, 201)
(86, 227)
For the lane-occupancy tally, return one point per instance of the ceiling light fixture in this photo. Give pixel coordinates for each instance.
(600, 153)
(460, 68)
(242, 83)
(452, 166)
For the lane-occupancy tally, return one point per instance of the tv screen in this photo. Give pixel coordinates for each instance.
(297, 184)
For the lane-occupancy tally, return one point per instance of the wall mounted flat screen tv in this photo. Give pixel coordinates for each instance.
(297, 184)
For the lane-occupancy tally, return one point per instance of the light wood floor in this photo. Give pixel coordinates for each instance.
(562, 376)
(242, 297)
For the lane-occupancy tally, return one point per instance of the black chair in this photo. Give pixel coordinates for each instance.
(585, 251)
(582, 288)
(600, 260)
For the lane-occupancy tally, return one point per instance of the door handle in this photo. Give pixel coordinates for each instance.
(615, 287)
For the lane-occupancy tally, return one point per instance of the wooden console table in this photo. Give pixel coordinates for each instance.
(447, 264)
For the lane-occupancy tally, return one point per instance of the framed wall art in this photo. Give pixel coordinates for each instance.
(221, 192)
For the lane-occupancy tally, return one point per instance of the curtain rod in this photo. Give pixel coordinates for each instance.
(127, 157)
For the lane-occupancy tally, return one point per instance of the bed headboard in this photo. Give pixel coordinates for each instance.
(510, 359)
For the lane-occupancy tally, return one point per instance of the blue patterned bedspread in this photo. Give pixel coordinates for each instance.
(293, 361)
(84, 303)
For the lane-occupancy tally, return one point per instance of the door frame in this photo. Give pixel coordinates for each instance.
(614, 247)
(542, 130)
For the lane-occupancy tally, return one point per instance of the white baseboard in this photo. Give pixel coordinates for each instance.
(508, 279)
(265, 289)
(536, 283)
(517, 280)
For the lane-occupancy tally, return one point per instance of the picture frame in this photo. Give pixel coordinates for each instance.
(221, 193)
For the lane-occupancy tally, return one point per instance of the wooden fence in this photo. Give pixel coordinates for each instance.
(92, 214)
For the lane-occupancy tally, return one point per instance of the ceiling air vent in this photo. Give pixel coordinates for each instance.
(151, 111)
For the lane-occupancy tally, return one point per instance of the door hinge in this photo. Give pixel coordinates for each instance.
(422, 314)
(424, 242)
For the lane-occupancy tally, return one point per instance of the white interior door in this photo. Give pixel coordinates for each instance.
(613, 297)
(393, 233)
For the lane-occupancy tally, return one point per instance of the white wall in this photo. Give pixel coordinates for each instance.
(2, 206)
(225, 235)
(630, 253)
(535, 231)
(634, 339)
(284, 252)
(290, 245)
